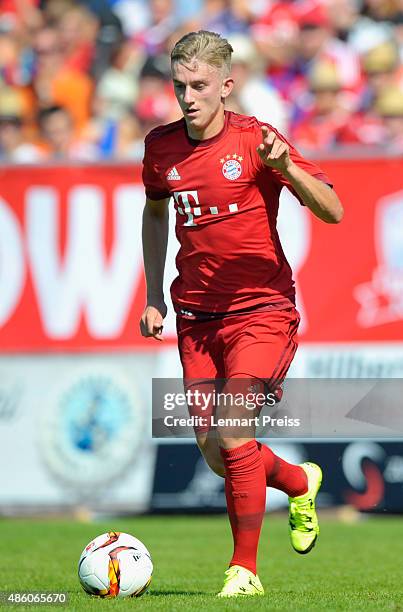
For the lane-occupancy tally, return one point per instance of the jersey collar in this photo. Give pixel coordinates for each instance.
(208, 141)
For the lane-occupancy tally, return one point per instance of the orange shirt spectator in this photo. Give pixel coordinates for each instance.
(54, 84)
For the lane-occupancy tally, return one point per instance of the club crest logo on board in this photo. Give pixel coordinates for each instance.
(381, 297)
(91, 430)
(231, 166)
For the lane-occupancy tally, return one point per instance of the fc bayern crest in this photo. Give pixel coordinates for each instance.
(232, 168)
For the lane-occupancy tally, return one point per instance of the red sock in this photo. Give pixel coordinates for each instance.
(282, 475)
(245, 491)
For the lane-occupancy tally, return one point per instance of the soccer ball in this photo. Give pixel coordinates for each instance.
(115, 564)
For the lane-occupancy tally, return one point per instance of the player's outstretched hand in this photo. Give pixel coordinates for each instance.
(151, 321)
(273, 151)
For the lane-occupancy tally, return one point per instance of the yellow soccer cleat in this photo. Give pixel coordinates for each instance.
(304, 527)
(240, 582)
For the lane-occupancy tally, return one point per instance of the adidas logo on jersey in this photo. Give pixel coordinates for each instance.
(173, 175)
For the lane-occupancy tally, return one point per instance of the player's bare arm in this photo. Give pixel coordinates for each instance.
(155, 241)
(315, 194)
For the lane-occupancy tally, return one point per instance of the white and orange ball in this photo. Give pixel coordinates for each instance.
(115, 564)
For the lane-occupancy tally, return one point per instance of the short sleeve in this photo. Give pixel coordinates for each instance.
(155, 187)
(306, 164)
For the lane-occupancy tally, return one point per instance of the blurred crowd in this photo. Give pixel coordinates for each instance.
(86, 80)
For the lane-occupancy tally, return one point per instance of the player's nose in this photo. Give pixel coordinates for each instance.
(188, 95)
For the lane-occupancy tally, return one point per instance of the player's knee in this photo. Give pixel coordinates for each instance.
(214, 461)
(215, 465)
(211, 453)
(228, 441)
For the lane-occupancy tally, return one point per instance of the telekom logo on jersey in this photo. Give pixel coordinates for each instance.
(187, 203)
(85, 277)
(295, 236)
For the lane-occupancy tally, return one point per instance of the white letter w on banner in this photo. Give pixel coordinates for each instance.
(84, 280)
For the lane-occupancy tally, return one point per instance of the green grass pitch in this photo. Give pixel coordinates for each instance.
(353, 567)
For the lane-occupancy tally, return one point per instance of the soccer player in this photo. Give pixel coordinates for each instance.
(234, 294)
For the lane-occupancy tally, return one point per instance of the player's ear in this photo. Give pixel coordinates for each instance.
(226, 87)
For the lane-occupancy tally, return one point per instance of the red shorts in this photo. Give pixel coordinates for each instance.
(256, 345)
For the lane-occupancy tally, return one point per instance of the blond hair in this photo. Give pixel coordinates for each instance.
(204, 46)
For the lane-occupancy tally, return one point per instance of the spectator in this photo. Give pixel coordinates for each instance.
(156, 102)
(78, 29)
(71, 53)
(380, 66)
(114, 100)
(228, 17)
(292, 37)
(109, 35)
(343, 15)
(115, 93)
(129, 144)
(118, 87)
(389, 106)
(134, 15)
(381, 69)
(316, 42)
(14, 147)
(322, 126)
(15, 60)
(275, 34)
(253, 94)
(18, 15)
(60, 141)
(55, 84)
(380, 10)
(164, 22)
(371, 28)
(53, 10)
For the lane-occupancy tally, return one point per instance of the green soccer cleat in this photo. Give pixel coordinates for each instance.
(240, 582)
(304, 527)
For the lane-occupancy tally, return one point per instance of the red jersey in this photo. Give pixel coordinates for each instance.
(226, 202)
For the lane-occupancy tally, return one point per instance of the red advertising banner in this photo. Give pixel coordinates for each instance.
(71, 274)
